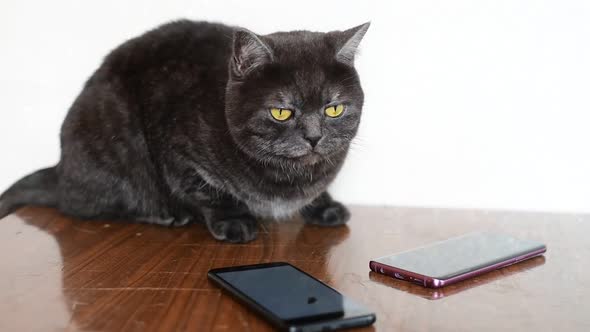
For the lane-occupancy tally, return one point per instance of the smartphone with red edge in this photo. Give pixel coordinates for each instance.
(456, 259)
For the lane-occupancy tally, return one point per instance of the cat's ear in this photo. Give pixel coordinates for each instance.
(249, 53)
(349, 41)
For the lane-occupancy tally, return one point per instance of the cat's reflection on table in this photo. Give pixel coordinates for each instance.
(287, 241)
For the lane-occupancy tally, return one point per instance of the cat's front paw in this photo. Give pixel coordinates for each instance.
(332, 214)
(238, 230)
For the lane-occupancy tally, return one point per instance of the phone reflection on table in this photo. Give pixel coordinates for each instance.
(439, 293)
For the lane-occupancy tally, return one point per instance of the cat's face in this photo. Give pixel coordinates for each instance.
(294, 97)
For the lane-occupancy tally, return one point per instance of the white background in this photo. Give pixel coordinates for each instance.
(468, 103)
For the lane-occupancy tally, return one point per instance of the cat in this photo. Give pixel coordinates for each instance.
(204, 122)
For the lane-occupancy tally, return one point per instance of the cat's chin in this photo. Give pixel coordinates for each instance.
(309, 159)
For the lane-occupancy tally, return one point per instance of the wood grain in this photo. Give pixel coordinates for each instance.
(60, 274)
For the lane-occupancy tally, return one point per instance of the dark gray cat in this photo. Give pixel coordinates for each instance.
(196, 121)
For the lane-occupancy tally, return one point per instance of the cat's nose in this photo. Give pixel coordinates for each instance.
(313, 140)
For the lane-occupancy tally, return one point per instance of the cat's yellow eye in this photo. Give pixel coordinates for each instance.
(281, 114)
(334, 111)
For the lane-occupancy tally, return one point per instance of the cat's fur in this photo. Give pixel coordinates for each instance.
(175, 127)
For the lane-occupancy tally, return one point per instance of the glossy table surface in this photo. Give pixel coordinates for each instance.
(59, 274)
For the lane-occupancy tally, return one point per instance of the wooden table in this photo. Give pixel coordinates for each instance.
(62, 274)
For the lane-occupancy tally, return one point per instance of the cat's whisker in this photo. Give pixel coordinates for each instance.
(358, 143)
(347, 79)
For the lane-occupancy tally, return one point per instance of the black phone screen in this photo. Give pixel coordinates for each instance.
(286, 292)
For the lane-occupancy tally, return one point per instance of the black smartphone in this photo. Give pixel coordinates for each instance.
(291, 299)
